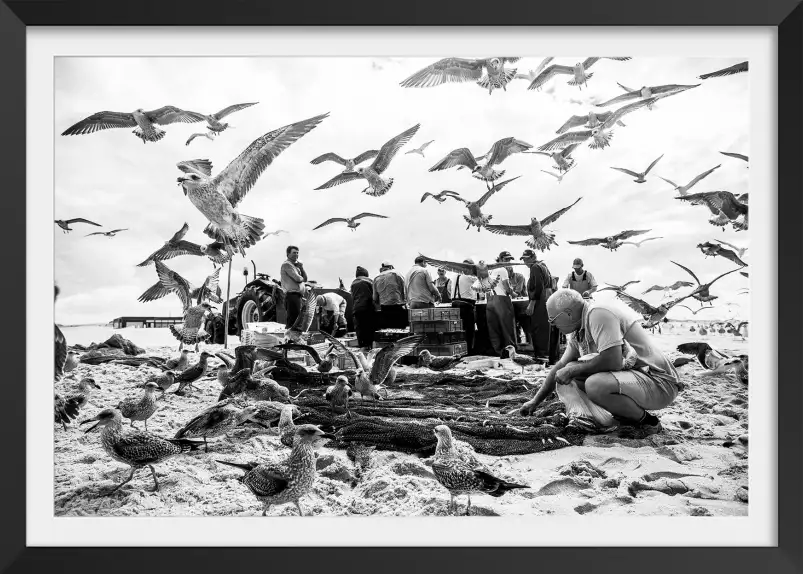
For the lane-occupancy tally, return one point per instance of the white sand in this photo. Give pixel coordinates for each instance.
(709, 412)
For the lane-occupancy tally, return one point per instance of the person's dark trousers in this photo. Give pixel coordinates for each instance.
(539, 329)
(292, 305)
(419, 305)
(554, 342)
(365, 323)
(393, 317)
(467, 317)
(501, 323)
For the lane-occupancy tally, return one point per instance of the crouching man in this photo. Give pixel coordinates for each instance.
(627, 377)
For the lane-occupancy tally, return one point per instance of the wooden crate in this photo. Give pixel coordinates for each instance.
(436, 326)
(442, 338)
(444, 350)
(434, 314)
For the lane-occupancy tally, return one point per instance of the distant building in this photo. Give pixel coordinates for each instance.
(145, 322)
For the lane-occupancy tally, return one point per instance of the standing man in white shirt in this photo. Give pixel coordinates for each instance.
(499, 311)
(580, 280)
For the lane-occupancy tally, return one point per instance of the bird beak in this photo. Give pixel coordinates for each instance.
(92, 427)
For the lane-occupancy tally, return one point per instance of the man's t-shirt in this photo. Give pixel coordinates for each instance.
(503, 286)
(605, 327)
(420, 286)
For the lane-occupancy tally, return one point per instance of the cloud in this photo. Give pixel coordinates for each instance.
(112, 178)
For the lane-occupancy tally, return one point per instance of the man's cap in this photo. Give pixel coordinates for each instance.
(577, 263)
(419, 259)
(470, 261)
(527, 254)
(386, 263)
(504, 255)
(320, 300)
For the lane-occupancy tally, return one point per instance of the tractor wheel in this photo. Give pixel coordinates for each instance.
(255, 305)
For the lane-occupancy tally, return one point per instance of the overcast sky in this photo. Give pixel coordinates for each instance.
(112, 178)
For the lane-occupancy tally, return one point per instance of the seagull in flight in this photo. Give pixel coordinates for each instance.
(713, 250)
(277, 232)
(111, 233)
(701, 293)
(213, 120)
(539, 238)
(618, 287)
(590, 120)
(217, 197)
(145, 122)
(171, 282)
(740, 251)
(563, 160)
(693, 312)
(499, 152)
(612, 242)
(419, 150)
(645, 93)
(532, 74)
(578, 72)
(559, 177)
(350, 221)
(65, 224)
(440, 197)
(377, 185)
(174, 247)
(724, 208)
(652, 315)
(208, 135)
(349, 164)
(640, 177)
(638, 243)
(465, 70)
(669, 288)
(475, 215)
(684, 189)
(736, 155)
(729, 71)
(600, 135)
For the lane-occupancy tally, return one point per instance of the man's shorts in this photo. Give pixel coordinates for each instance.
(648, 392)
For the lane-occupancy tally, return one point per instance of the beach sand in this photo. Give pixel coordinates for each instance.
(697, 466)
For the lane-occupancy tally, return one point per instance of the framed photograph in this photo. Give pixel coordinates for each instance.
(344, 280)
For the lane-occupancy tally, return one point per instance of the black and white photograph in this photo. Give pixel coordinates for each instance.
(446, 286)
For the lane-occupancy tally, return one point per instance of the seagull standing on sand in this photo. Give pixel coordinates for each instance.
(286, 480)
(684, 189)
(135, 448)
(541, 239)
(349, 164)
(65, 224)
(640, 177)
(578, 72)
(377, 186)
(139, 118)
(350, 221)
(465, 70)
(420, 150)
(217, 197)
(111, 233)
(729, 71)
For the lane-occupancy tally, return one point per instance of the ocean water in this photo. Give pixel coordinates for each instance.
(159, 337)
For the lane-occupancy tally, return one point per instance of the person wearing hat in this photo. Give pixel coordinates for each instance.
(333, 314)
(444, 286)
(389, 298)
(463, 298)
(499, 311)
(362, 293)
(539, 288)
(580, 280)
(421, 291)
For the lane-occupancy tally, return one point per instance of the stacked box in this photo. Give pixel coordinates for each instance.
(442, 330)
(390, 335)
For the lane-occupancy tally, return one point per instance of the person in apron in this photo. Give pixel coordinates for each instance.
(580, 280)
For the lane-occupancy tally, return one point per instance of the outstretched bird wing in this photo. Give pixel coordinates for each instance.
(366, 155)
(210, 287)
(702, 176)
(386, 358)
(242, 173)
(330, 156)
(342, 347)
(621, 98)
(565, 140)
(689, 271)
(497, 187)
(82, 220)
(735, 69)
(461, 156)
(179, 235)
(95, 233)
(627, 171)
(301, 347)
(736, 155)
(330, 221)
(461, 268)
(572, 122)
(196, 166)
(590, 241)
(653, 288)
(630, 233)
(548, 73)
(101, 121)
(624, 110)
(636, 304)
(154, 292)
(504, 148)
(366, 214)
(731, 256)
(171, 115)
(553, 217)
(652, 165)
(391, 147)
(174, 283)
(170, 250)
(304, 319)
(231, 109)
(679, 284)
(344, 177)
(522, 230)
(444, 71)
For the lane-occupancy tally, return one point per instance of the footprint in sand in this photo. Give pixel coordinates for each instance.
(609, 503)
(564, 486)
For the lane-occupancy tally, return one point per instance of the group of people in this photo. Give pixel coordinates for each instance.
(625, 375)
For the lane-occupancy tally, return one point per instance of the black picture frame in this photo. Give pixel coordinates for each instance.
(786, 15)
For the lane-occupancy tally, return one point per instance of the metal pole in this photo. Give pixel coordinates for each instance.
(227, 307)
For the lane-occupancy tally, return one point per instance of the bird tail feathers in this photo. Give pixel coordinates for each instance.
(186, 444)
(243, 466)
(151, 136)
